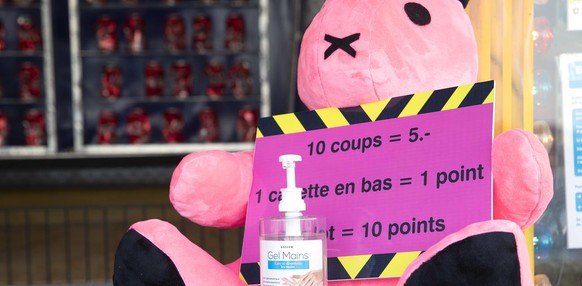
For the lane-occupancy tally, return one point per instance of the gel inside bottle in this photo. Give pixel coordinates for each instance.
(293, 246)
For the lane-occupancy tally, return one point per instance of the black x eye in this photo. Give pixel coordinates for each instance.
(341, 43)
(417, 13)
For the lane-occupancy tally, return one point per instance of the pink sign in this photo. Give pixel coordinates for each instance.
(386, 185)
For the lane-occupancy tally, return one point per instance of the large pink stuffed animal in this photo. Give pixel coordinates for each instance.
(356, 52)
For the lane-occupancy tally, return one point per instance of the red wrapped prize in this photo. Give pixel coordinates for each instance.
(111, 78)
(173, 126)
(134, 33)
(209, 126)
(29, 81)
(235, 33)
(3, 129)
(106, 127)
(543, 35)
(138, 126)
(182, 79)
(241, 83)
(247, 121)
(34, 128)
(175, 33)
(106, 34)
(2, 36)
(216, 84)
(202, 33)
(29, 37)
(154, 80)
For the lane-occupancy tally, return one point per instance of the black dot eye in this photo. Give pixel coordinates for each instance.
(417, 13)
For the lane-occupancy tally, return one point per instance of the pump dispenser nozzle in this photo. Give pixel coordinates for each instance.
(291, 202)
(291, 244)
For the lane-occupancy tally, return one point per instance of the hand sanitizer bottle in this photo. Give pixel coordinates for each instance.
(293, 246)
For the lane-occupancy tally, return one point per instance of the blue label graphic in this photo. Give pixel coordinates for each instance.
(289, 265)
(575, 69)
(579, 202)
(577, 136)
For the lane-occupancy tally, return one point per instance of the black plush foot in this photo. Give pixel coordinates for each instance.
(139, 262)
(489, 259)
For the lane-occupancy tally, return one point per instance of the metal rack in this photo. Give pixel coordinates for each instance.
(45, 58)
(84, 59)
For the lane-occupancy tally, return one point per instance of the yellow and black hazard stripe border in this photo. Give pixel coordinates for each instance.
(349, 267)
(376, 265)
(398, 107)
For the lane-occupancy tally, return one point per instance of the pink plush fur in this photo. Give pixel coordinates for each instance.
(234, 266)
(394, 57)
(522, 178)
(196, 267)
(212, 188)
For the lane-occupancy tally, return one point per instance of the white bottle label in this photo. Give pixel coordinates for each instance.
(291, 263)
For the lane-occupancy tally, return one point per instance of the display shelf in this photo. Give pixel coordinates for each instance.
(161, 6)
(165, 54)
(15, 67)
(164, 149)
(199, 98)
(24, 151)
(16, 101)
(122, 76)
(15, 7)
(19, 54)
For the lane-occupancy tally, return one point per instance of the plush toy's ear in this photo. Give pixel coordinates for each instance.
(465, 2)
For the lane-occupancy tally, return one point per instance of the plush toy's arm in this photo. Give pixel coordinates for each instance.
(212, 188)
(522, 178)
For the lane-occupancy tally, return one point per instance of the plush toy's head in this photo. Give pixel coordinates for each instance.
(360, 51)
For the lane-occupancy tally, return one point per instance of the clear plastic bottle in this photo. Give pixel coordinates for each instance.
(293, 247)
